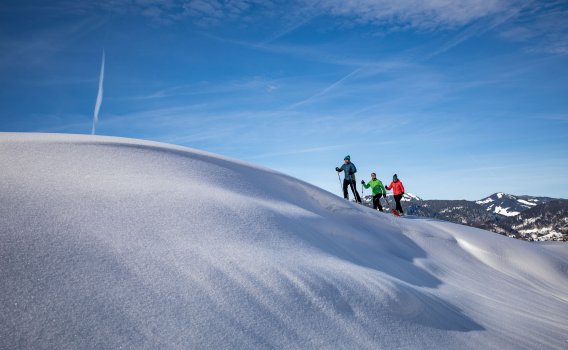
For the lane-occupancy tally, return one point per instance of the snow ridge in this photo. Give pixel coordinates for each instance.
(119, 243)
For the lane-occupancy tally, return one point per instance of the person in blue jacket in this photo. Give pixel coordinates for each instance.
(349, 179)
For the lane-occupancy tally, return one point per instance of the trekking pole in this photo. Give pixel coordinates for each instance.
(354, 188)
(386, 200)
(339, 178)
(391, 209)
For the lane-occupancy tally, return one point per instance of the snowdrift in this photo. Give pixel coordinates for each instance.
(118, 243)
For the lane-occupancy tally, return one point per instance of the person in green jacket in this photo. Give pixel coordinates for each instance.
(378, 190)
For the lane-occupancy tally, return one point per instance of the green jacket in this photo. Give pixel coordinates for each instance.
(377, 187)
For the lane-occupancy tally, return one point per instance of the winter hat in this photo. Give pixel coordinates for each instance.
(347, 157)
(394, 177)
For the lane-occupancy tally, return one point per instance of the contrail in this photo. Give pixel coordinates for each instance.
(99, 96)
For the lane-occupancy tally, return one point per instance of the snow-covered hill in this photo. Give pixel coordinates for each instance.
(118, 243)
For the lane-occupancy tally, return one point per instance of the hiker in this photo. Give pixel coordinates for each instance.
(398, 192)
(378, 191)
(349, 179)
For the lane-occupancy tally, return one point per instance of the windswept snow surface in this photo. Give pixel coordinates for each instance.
(117, 243)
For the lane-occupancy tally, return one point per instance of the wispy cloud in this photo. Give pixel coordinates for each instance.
(326, 90)
(200, 12)
(476, 29)
(214, 12)
(415, 13)
(297, 23)
(401, 14)
(314, 53)
(99, 96)
(38, 46)
(560, 118)
(544, 29)
(256, 83)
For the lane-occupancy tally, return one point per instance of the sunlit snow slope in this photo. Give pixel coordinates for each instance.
(117, 243)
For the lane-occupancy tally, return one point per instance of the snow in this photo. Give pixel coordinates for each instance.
(535, 230)
(120, 243)
(505, 211)
(531, 220)
(526, 222)
(554, 247)
(410, 197)
(550, 236)
(545, 232)
(522, 201)
(485, 201)
(449, 210)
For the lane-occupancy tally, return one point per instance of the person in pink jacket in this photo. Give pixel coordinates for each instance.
(398, 192)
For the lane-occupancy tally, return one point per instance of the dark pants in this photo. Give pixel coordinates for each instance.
(350, 183)
(377, 202)
(397, 199)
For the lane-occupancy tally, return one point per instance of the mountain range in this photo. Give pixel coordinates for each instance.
(523, 217)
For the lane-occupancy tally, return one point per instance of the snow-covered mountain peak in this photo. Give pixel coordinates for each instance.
(509, 205)
(408, 197)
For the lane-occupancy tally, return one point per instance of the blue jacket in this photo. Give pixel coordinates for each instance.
(350, 170)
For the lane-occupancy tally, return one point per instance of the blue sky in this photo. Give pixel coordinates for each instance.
(460, 98)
